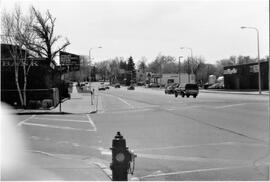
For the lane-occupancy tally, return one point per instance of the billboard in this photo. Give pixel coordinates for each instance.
(70, 60)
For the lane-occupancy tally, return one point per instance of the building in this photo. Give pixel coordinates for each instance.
(140, 76)
(168, 78)
(245, 76)
(44, 84)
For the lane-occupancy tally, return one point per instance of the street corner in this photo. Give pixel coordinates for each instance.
(102, 165)
(68, 167)
(93, 109)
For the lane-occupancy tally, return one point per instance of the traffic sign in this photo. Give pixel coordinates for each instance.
(70, 60)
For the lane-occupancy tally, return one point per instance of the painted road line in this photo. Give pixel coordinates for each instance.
(177, 158)
(122, 100)
(91, 122)
(126, 102)
(232, 105)
(57, 127)
(55, 119)
(128, 111)
(24, 121)
(201, 145)
(189, 159)
(171, 109)
(196, 171)
(101, 108)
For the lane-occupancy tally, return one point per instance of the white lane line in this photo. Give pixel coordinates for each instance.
(232, 105)
(55, 119)
(171, 109)
(57, 127)
(177, 158)
(24, 121)
(91, 122)
(101, 109)
(185, 158)
(196, 171)
(63, 116)
(201, 145)
(127, 111)
(126, 102)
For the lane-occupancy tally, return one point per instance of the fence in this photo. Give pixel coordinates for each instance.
(35, 98)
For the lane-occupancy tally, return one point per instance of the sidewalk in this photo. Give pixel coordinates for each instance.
(76, 104)
(42, 166)
(243, 92)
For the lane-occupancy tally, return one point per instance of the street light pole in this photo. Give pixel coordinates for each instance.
(259, 63)
(90, 63)
(179, 71)
(188, 61)
(90, 76)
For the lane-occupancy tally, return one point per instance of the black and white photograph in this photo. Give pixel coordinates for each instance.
(135, 90)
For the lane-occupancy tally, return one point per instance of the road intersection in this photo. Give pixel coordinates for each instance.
(212, 137)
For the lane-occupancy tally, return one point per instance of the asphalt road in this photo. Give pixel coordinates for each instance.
(211, 137)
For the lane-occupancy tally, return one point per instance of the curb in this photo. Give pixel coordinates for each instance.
(228, 92)
(105, 169)
(108, 171)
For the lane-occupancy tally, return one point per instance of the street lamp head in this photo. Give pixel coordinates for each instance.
(99, 47)
(243, 27)
(182, 48)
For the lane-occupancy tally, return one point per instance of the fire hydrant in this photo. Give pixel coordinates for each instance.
(121, 159)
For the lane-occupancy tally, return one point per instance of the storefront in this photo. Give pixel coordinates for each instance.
(43, 80)
(245, 76)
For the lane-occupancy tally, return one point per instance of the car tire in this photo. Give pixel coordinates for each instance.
(194, 96)
(176, 94)
(183, 95)
(187, 96)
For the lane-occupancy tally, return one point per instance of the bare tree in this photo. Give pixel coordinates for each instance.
(13, 25)
(44, 40)
(34, 33)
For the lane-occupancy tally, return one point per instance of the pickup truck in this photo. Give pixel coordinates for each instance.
(187, 89)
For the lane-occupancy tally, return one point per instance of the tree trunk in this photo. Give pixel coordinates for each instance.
(24, 85)
(16, 66)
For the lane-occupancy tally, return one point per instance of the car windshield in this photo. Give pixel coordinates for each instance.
(155, 90)
(191, 86)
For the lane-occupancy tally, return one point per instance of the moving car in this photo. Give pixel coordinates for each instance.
(117, 85)
(187, 89)
(107, 86)
(101, 87)
(169, 89)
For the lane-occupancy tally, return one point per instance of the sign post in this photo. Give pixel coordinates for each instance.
(69, 62)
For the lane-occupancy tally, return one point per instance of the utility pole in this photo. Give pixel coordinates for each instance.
(179, 69)
(259, 63)
(90, 59)
(188, 61)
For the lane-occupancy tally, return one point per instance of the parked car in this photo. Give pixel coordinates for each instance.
(169, 89)
(154, 85)
(140, 83)
(216, 86)
(117, 85)
(187, 89)
(131, 87)
(206, 85)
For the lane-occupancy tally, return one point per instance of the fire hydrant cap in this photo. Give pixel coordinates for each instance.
(118, 135)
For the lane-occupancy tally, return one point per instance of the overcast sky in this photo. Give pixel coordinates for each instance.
(147, 28)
